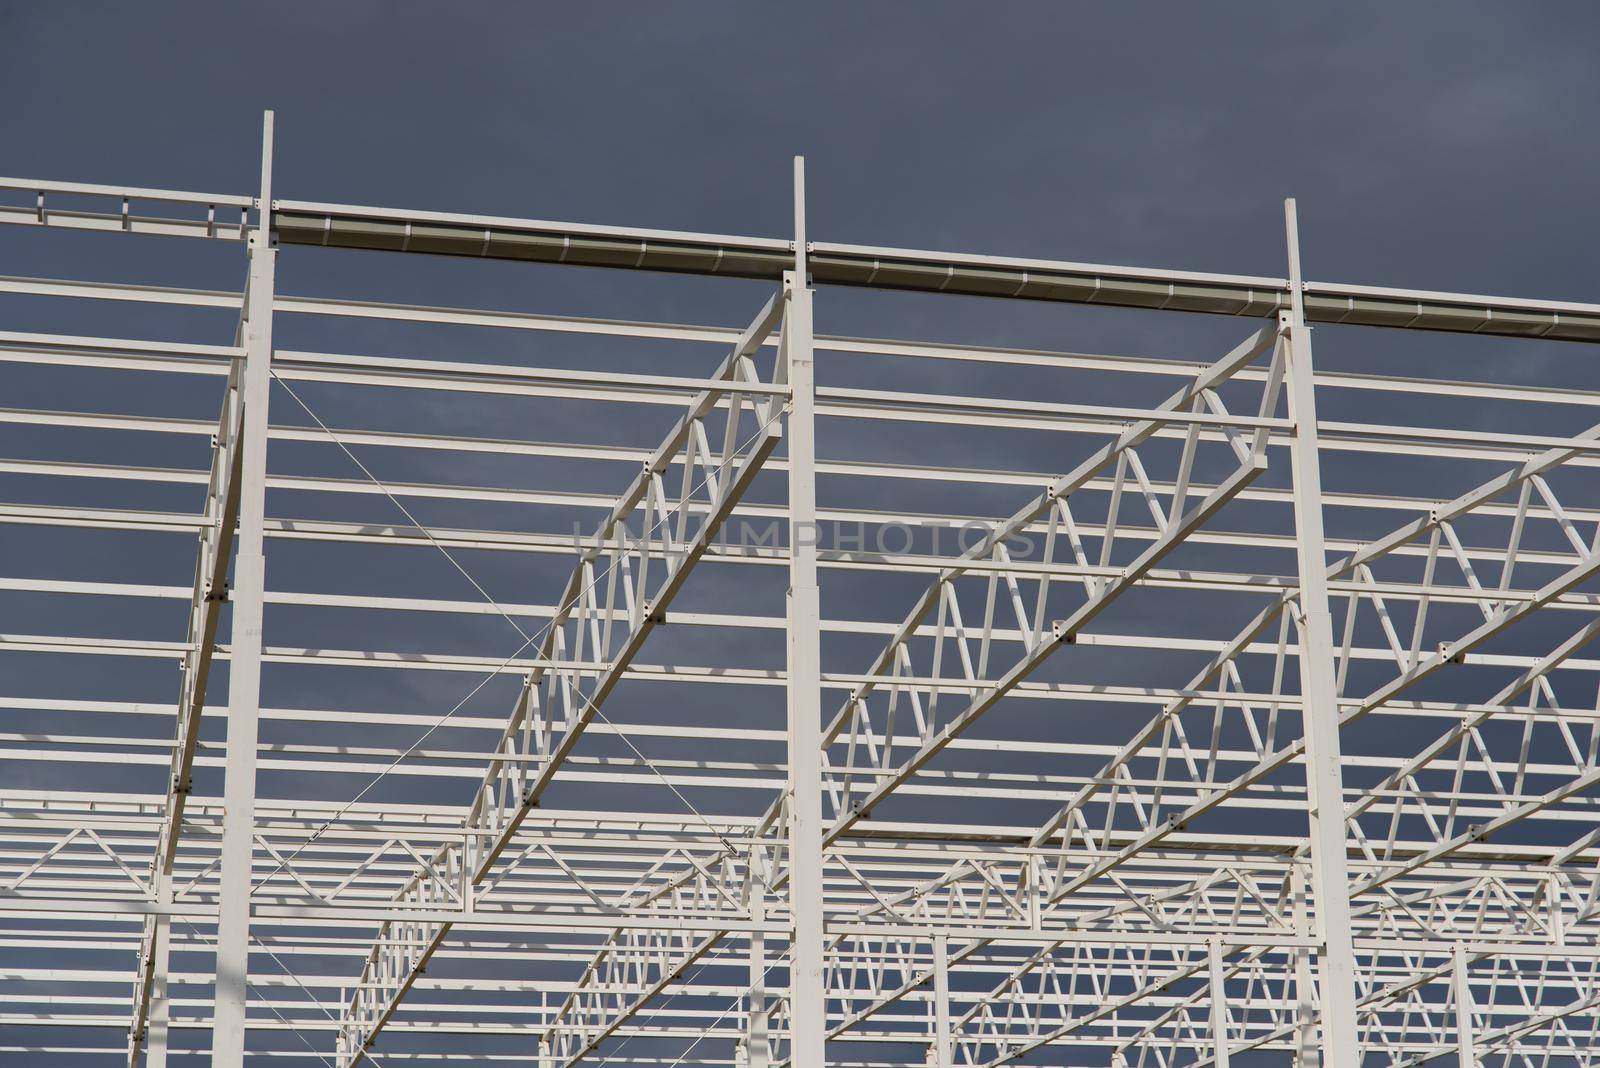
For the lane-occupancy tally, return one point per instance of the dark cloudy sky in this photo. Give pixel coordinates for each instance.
(1435, 145)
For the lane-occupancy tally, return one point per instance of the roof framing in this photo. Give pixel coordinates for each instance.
(1352, 793)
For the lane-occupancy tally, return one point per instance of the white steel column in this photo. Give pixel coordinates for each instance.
(155, 1053)
(757, 1048)
(943, 1054)
(1219, 1004)
(1305, 1006)
(1330, 880)
(244, 670)
(1466, 1051)
(807, 1000)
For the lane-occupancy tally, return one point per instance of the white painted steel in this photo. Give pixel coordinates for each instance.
(247, 595)
(1231, 764)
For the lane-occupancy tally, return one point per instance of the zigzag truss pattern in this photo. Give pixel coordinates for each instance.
(422, 685)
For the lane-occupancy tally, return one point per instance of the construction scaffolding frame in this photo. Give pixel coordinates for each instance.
(1217, 728)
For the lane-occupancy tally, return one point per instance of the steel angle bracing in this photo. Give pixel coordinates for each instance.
(1242, 706)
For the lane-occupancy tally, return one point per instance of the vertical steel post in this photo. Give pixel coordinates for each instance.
(1219, 1004)
(1305, 1007)
(155, 1043)
(807, 1003)
(1320, 708)
(1466, 1051)
(756, 1042)
(244, 669)
(943, 1053)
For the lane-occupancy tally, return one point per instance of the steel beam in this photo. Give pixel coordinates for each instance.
(887, 667)
(808, 1006)
(1330, 879)
(1161, 937)
(345, 226)
(244, 667)
(1509, 613)
(1218, 994)
(795, 365)
(209, 593)
(612, 576)
(493, 237)
(1462, 505)
(942, 1055)
(1466, 1052)
(220, 518)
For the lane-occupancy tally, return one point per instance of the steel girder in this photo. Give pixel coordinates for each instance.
(1166, 915)
(587, 659)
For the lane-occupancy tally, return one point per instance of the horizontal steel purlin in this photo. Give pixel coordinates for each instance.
(348, 226)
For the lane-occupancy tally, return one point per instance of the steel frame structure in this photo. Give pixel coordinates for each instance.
(1174, 756)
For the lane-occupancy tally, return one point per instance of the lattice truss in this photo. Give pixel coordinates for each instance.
(1158, 711)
